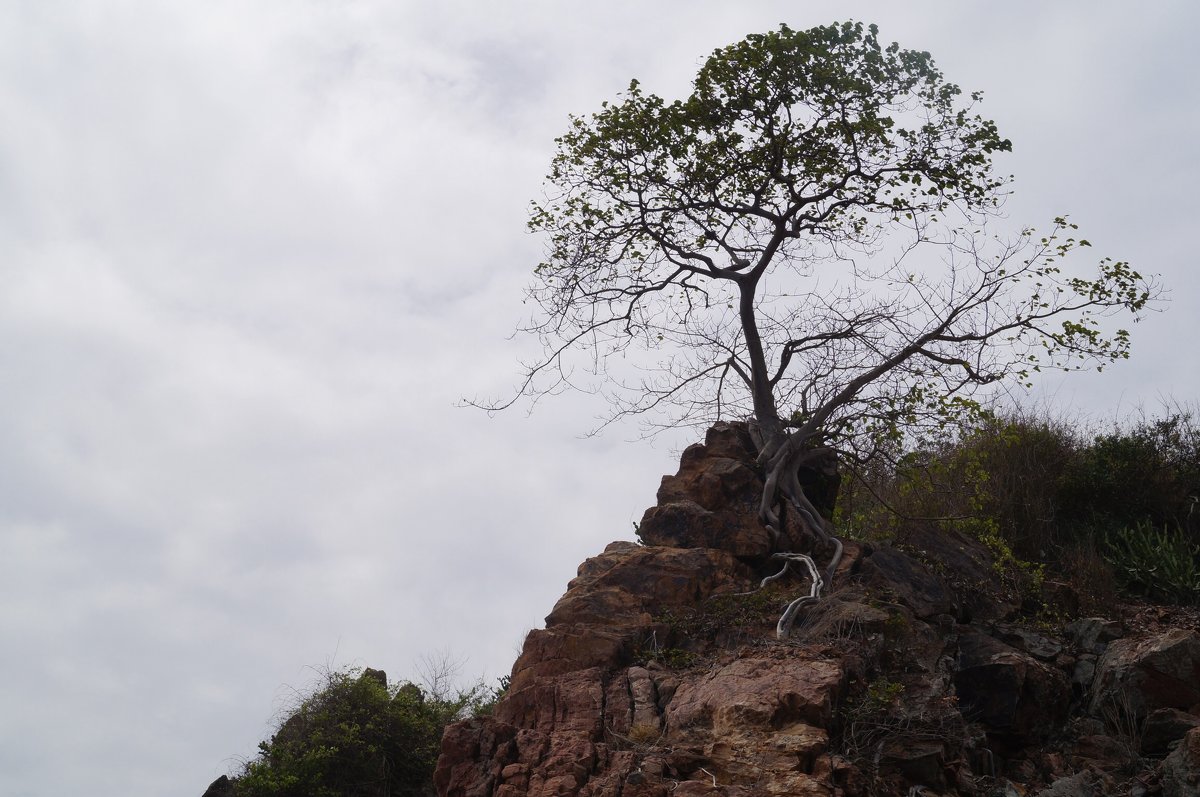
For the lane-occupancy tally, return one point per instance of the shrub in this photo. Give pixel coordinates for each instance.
(1038, 489)
(356, 737)
(1160, 563)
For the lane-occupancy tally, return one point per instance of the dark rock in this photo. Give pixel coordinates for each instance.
(1016, 697)
(919, 760)
(1078, 785)
(967, 568)
(1181, 769)
(687, 524)
(1164, 727)
(1102, 753)
(1033, 643)
(221, 787)
(712, 501)
(1092, 634)
(909, 581)
(1138, 675)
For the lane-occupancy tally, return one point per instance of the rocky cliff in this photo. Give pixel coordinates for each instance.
(921, 673)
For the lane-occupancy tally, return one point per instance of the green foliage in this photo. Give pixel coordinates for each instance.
(1149, 470)
(1045, 493)
(356, 737)
(1158, 562)
(744, 250)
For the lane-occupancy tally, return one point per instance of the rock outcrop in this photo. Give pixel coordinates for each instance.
(658, 673)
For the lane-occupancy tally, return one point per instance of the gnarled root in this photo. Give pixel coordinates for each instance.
(783, 489)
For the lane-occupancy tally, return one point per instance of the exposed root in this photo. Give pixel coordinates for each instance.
(781, 489)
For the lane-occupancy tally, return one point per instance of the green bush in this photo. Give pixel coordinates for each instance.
(356, 737)
(1038, 489)
(1158, 562)
(1147, 471)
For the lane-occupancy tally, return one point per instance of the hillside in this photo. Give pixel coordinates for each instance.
(932, 667)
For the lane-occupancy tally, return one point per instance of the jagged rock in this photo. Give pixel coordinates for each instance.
(1016, 697)
(1037, 645)
(553, 651)
(919, 760)
(641, 686)
(712, 502)
(686, 524)
(1181, 769)
(766, 690)
(628, 583)
(221, 787)
(966, 568)
(1164, 727)
(1092, 634)
(911, 582)
(1078, 785)
(1136, 676)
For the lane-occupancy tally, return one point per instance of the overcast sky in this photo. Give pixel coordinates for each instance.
(252, 252)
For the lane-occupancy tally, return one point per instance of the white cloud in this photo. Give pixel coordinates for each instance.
(254, 253)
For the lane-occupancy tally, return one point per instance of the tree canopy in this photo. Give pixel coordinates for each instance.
(803, 240)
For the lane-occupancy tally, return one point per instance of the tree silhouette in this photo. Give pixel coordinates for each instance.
(803, 240)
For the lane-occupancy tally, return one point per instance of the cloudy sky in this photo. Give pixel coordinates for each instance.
(252, 253)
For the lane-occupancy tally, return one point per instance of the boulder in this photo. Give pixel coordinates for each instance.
(1180, 774)
(1164, 727)
(1017, 698)
(1078, 785)
(767, 690)
(628, 583)
(1135, 675)
(712, 501)
(909, 581)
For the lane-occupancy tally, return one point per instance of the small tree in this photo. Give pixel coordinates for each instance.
(802, 240)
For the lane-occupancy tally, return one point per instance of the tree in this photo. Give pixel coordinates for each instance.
(803, 240)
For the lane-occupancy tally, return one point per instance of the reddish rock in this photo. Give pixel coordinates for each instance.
(1164, 727)
(712, 502)
(571, 702)
(628, 583)
(553, 651)
(758, 691)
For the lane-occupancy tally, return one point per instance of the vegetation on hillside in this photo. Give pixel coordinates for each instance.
(356, 736)
(1090, 505)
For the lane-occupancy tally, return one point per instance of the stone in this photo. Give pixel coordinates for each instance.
(1015, 696)
(919, 760)
(712, 501)
(1092, 634)
(1180, 773)
(572, 701)
(221, 787)
(1078, 785)
(911, 582)
(687, 524)
(626, 586)
(553, 651)
(1164, 727)
(1135, 676)
(1033, 643)
(758, 691)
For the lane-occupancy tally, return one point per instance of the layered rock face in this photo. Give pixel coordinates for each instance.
(658, 673)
